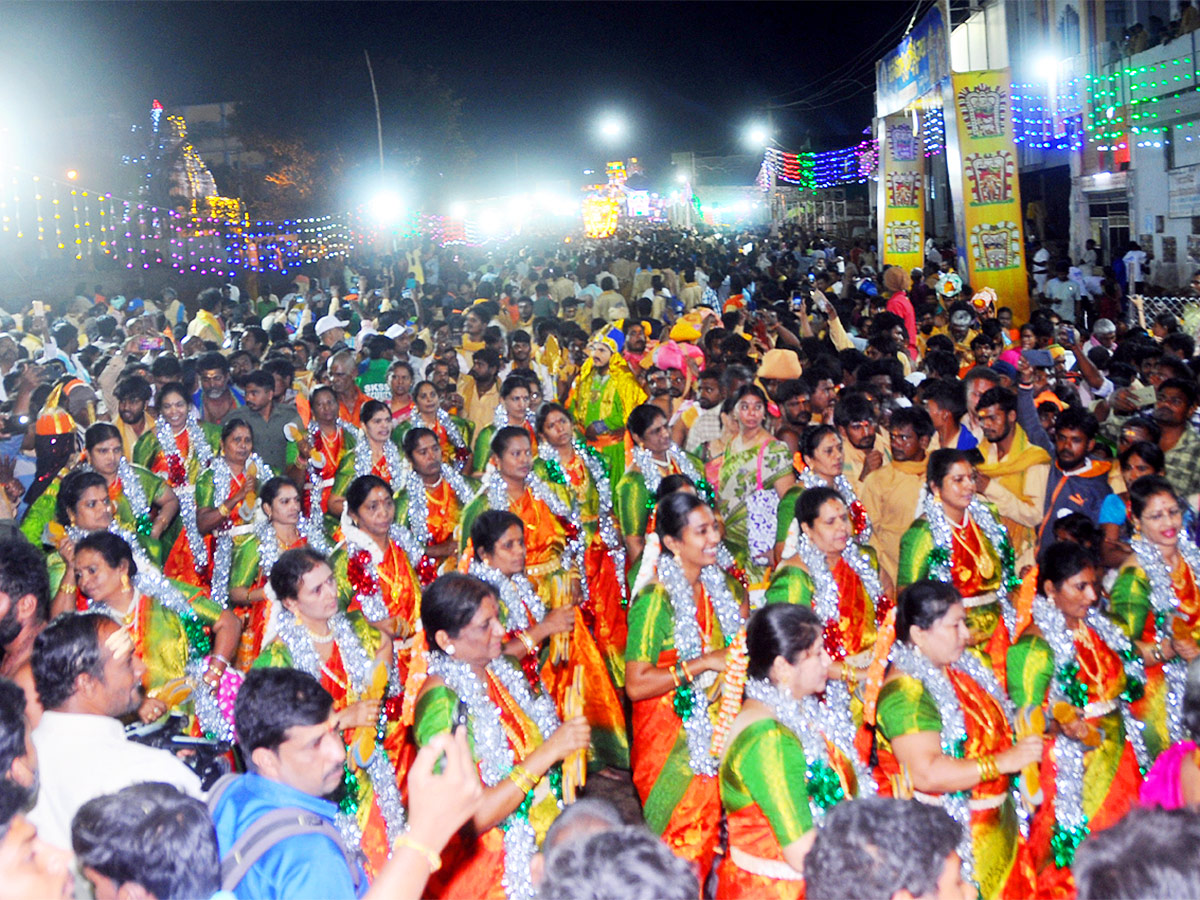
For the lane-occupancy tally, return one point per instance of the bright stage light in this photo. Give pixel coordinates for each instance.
(386, 207)
(612, 126)
(758, 135)
(458, 209)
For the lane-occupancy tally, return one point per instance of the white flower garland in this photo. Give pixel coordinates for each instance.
(813, 723)
(845, 489)
(690, 644)
(912, 662)
(496, 753)
(223, 551)
(1165, 605)
(418, 500)
(358, 665)
(398, 466)
(199, 448)
(445, 421)
(1069, 753)
(518, 599)
(358, 541)
(942, 530)
(605, 521)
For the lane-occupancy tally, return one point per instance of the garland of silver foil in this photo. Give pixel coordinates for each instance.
(518, 599)
(132, 489)
(645, 463)
(942, 531)
(223, 550)
(915, 664)
(689, 645)
(144, 564)
(358, 665)
(1135, 672)
(605, 522)
(312, 471)
(825, 590)
(418, 501)
(398, 466)
(813, 723)
(842, 485)
(445, 421)
(496, 753)
(358, 541)
(198, 447)
(268, 540)
(1165, 605)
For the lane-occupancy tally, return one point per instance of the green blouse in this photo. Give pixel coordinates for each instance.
(764, 766)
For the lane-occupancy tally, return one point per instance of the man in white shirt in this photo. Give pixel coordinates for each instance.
(1063, 294)
(88, 678)
(1041, 266)
(1135, 262)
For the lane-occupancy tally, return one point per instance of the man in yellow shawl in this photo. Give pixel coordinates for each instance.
(1014, 471)
(604, 395)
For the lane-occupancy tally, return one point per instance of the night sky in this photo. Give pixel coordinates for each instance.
(534, 77)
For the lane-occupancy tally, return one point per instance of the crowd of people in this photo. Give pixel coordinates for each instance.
(856, 583)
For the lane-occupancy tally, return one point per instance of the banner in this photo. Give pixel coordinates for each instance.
(917, 65)
(902, 192)
(985, 187)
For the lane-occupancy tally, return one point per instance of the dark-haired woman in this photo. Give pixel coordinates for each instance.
(755, 465)
(1156, 600)
(823, 452)
(945, 734)
(353, 661)
(374, 453)
(654, 456)
(178, 636)
(329, 438)
(453, 433)
(781, 732)
(225, 501)
(373, 565)
(565, 460)
(515, 734)
(826, 570)
(513, 409)
(81, 507)
(178, 448)
(680, 624)
(498, 538)
(1116, 521)
(1080, 670)
(960, 541)
(282, 527)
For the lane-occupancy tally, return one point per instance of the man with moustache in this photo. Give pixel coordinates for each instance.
(890, 494)
(709, 395)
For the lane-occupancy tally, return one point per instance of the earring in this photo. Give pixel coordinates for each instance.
(449, 649)
(124, 582)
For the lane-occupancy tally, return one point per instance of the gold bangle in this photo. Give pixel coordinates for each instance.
(520, 776)
(525, 639)
(432, 859)
(674, 676)
(223, 510)
(686, 672)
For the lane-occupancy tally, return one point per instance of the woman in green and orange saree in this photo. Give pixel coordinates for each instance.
(754, 465)
(498, 541)
(1156, 601)
(826, 570)
(1078, 670)
(184, 639)
(564, 460)
(945, 737)
(680, 625)
(515, 735)
(782, 731)
(353, 661)
(960, 541)
(282, 527)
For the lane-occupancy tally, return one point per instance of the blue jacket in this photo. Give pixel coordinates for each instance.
(297, 868)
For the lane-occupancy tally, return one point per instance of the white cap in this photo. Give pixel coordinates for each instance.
(395, 331)
(328, 323)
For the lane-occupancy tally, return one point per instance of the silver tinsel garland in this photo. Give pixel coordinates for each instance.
(644, 462)
(358, 541)
(520, 606)
(1164, 605)
(418, 501)
(445, 421)
(942, 531)
(358, 665)
(825, 590)
(223, 537)
(312, 471)
(496, 753)
(842, 485)
(397, 464)
(606, 524)
(954, 728)
(131, 487)
(813, 723)
(199, 449)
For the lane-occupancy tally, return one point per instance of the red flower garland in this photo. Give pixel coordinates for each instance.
(359, 573)
(176, 471)
(427, 570)
(858, 517)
